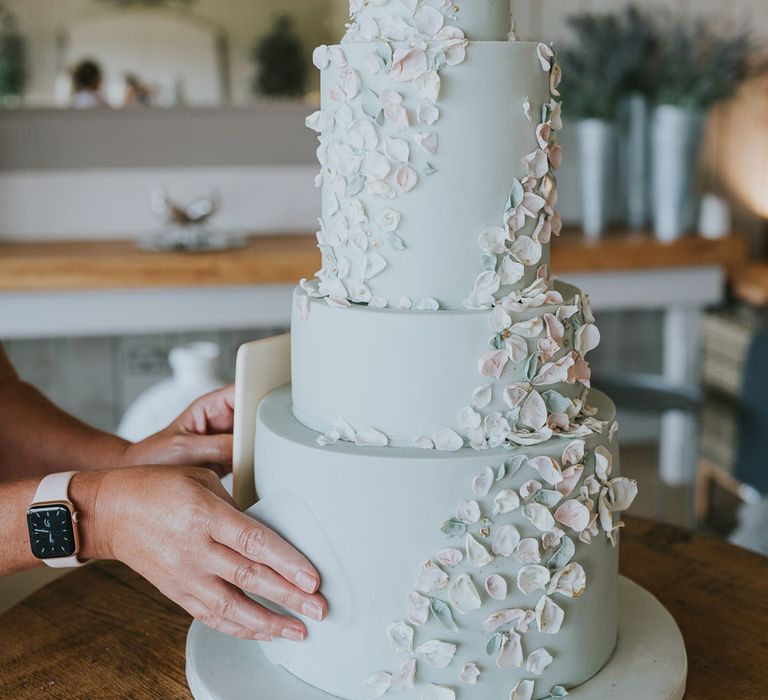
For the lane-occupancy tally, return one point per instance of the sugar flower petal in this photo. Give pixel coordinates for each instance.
(539, 516)
(405, 676)
(401, 636)
(496, 587)
(469, 674)
(532, 578)
(436, 653)
(447, 439)
(511, 655)
(527, 552)
(418, 608)
(505, 502)
(538, 661)
(437, 692)
(570, 581)
(573, 514)
(468, 512)
(522, 691)
(431, 578)
(477, 555)
(463, 595)
(505, 540)
(549, 616)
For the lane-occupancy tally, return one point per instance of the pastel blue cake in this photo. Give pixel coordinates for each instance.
(440, 424)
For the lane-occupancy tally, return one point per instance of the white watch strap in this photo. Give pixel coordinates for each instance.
(54, 488)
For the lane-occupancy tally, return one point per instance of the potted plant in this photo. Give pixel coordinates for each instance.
(696, 67)
(597, 67)
(281, 67)
(13, 59)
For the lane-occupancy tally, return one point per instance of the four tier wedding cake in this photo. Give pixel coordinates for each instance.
(440, 423)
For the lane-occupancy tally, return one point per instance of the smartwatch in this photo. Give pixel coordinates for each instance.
(52, 522)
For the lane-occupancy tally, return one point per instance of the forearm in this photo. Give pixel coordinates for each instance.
(37, 438)
(16, 496)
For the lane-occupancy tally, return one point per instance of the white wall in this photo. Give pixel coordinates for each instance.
(242, 21)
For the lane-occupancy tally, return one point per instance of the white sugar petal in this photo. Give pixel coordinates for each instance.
(527, 552)
(532, 578)
(587, 338)
(539, 516)
(436, 653)
(447, 439)
(450, 557)
(526, 250)
(418, 608)
(503, 617)
(529, 329)
(378, 684)
(517, 348)
(482, 396)
(397, 150)
(483, 482)
(548, 469)
(428, 20)
(622, 493)
(469, 419)
(437, 692)
(510, 271)
(401, 636)
(428, 86)
(493, 241)
(469, 674)
(571, 581)
(431, 578)
(493, 364)
(370, 437)
(404, 678)
(533, 412)
(505, 502)
(603, 463)
(529, 488)
(505, 540)
(477, 555)
(537, 661)
(511, 655)
(321, 57)
(424, 443)
(573, 514)
(549, 616)
(527, 108)
(573, 452)
(537, 164)
(468, 512)
(522, 691)
(464, 596)
(427, 114)
(329, 438)
(545, 55)
(496, 587)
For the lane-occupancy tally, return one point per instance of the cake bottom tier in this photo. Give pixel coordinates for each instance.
(382, 510)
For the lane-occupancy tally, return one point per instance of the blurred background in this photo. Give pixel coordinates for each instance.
(156, 193)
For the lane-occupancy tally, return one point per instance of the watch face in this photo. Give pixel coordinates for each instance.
(51, 534)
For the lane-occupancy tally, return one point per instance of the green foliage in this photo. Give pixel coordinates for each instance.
(13, 56)
(610, 57)
(281, 65)
(697, 66)
(691, 64)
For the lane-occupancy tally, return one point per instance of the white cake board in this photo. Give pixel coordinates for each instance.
(649, 663)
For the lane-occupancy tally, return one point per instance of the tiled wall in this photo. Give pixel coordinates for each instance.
(97, 378)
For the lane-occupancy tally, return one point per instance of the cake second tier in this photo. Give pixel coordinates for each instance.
(432, 375)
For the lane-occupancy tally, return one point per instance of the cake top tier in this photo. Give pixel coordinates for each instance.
(480, 20)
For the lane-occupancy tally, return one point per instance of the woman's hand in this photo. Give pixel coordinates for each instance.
(201, 436)
(177, 527)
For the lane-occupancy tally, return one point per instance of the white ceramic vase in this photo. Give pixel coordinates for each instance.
(194, 374)
(676, 135)
(597, 165)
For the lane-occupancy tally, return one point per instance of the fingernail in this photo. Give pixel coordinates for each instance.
(293, 634)
(312, 610)
(306, 582)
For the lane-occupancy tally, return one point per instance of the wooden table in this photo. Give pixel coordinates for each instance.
(102, 632)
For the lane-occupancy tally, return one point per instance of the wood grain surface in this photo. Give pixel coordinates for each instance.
(284, 259)
(102, 632)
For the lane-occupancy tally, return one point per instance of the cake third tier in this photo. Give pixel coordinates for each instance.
(444, 378)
